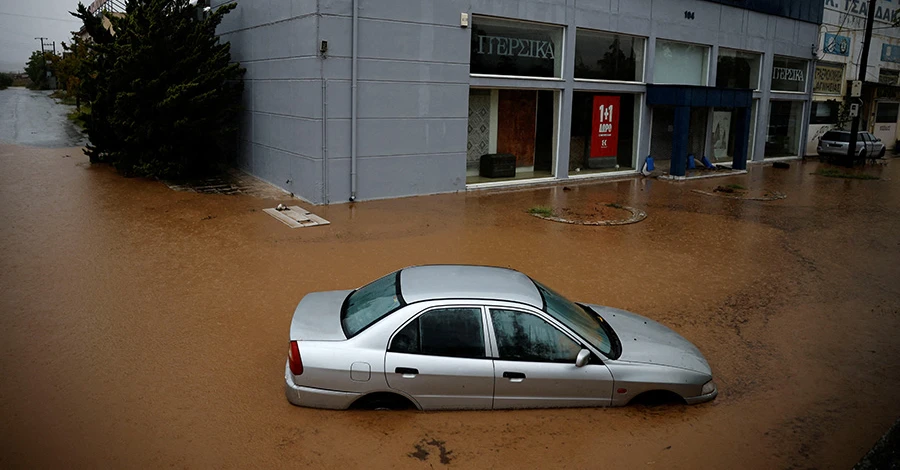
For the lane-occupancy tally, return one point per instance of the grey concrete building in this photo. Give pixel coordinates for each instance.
(367, 99)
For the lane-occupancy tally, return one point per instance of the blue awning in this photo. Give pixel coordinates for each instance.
(698, 96)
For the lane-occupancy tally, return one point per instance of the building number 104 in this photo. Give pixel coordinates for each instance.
(688, 15)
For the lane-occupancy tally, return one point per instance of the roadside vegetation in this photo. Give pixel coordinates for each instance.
(158, 98)
(6, 80)
(542, 211)
(163, 91)
(838, 173)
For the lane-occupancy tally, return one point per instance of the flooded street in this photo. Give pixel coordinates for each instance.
(32, 117)
(144, 327)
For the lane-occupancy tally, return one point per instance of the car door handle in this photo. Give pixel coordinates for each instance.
(406, 371)
(514, 376)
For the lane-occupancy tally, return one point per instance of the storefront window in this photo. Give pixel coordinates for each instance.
(737, 69)
(604, 56)
(887, 112)
(604, 132)
(726, 131)
(783, 134)
(828, 79)
(824, 112)
(506, 47)
(510, 134)
(789, 74)
(680, 63)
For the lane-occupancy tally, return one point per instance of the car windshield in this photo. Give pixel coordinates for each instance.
(589, 327)
(837, 136)
(371, 303)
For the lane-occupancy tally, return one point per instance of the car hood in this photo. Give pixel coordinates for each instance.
(318, 317)
(648, 342)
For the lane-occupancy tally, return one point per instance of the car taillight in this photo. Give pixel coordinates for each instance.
(294, 359)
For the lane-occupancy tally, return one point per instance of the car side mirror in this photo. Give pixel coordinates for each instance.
(584, 356)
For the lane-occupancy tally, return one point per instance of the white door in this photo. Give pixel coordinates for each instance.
(886, 123)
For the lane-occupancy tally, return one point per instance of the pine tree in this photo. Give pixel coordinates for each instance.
(37, 68)
(164, 93)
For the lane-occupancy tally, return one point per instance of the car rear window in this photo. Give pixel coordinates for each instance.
(371, 303)
(837, 136)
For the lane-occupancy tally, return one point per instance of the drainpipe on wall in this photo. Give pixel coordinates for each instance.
(353, 103)
(324, 141)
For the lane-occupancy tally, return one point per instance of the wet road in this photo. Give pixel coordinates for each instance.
(32, 118)
(143, 327)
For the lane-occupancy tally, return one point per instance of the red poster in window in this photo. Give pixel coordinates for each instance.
(605, 127)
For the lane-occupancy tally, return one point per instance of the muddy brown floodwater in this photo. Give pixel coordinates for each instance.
(143, 327)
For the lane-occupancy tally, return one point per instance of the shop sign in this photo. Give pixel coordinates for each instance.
(787, 74)
(890, 53)
(514, 47)
(828, 79)
(505, 47)
(837, 45)
(605, 127)
(885, 11)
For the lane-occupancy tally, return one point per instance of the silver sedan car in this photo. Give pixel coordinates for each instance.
(836, 143)
(478, 337)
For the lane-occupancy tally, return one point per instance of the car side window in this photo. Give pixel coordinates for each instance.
(525, 337)
(451, 332)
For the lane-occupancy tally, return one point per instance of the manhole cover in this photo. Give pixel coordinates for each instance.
(295, 217)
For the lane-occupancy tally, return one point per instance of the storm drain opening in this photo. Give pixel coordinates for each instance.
(295, 216)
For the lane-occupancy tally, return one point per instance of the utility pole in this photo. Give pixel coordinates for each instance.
(42, 44)
(863, 64)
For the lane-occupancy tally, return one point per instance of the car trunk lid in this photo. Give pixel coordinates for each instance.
(318, 317)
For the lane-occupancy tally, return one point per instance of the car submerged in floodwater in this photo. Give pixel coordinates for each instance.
(478, 337)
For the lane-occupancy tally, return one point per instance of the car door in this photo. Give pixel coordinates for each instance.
(440, 358)
(867, 144)
(535, 365)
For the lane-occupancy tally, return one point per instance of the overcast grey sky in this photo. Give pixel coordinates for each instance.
(21, 21)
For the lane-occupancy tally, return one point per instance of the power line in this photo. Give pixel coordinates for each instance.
(73, 20)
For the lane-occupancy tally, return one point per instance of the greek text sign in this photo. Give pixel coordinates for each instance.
(828, 79)
(506, 47)
(789, 74)
(515, 47)
(886, 11)
(783, 73)
(605, 127)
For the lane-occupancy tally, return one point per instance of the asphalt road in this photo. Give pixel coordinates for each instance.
(143, 327)
(32, 118)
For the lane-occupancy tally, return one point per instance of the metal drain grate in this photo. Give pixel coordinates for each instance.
(295, 217)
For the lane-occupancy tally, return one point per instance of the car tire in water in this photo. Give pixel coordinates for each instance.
(383, 402)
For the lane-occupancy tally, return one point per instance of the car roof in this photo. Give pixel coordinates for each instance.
(420, 283)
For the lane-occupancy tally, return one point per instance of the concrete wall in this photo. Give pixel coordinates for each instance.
(413, 81)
